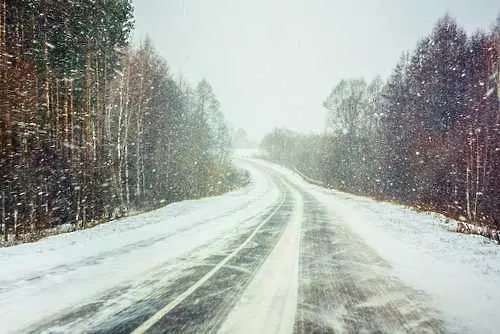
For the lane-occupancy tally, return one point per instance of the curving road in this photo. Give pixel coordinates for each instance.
(270, 258)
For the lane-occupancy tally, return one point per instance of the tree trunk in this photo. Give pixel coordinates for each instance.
(138, 142)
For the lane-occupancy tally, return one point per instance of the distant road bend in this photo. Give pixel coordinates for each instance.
(270, 258)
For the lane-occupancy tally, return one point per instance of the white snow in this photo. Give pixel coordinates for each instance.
(490, 92)
(41, 279)
(271, 297)
(461, 273)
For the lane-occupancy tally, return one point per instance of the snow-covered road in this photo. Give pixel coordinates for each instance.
(277, 256)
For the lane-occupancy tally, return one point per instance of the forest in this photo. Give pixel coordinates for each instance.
(93, 127)
(428, 136)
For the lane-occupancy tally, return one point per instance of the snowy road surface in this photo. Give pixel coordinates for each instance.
(278, 256)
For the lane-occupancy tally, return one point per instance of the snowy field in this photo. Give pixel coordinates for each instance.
(275, 243)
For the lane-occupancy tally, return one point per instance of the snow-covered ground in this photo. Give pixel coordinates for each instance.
(270, 299)
(40, 279)
(368, 263)
(461, 273)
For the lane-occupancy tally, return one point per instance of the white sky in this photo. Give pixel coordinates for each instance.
(273, 62)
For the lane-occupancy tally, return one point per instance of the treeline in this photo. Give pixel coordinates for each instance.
(429, 136)
(92, 128)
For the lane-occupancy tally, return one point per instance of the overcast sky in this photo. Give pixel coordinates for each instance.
(273, 62)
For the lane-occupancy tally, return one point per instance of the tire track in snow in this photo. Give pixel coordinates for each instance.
(270, 298)
(206, 307)
(203, 309)
(128, 248)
